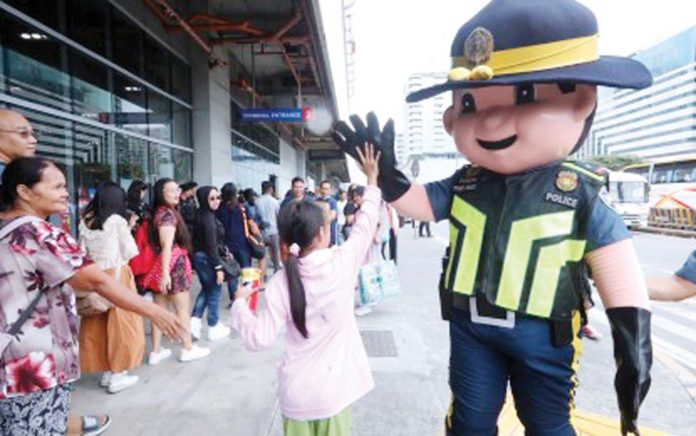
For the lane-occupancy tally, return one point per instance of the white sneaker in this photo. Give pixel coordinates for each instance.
(121, 381)
(105, 379)
(362, 310)
(196, 324)
(194, 353)
(155, 358)
(218, 331)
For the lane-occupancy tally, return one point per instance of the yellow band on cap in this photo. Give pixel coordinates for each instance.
(540, 57)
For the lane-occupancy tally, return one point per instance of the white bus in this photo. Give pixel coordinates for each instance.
(628, 195)
(672, 192)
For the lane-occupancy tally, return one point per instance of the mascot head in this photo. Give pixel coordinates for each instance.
(524, 83)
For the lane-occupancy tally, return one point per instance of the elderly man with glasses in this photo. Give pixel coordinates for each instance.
(17, 138)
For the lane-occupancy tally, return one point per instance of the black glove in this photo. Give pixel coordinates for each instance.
(391, 181)
(630, 328)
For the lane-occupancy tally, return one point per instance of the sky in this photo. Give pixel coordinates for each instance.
(396, 38)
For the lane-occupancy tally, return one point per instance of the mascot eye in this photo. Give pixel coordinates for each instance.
(525, 93)
(468, 104)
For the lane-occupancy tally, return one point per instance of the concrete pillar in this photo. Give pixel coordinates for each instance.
(323, 172)
(212, 140)
(302, 164)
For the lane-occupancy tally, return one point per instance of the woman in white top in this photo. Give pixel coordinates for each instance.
(113, 341)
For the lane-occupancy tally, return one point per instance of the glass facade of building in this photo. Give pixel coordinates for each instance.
(110, 101)
(657, 123)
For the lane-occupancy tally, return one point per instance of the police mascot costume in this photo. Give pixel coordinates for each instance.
(527, 226)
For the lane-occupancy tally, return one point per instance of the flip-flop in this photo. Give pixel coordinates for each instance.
(91, 425)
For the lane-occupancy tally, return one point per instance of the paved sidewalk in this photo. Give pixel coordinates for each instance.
(233, 391)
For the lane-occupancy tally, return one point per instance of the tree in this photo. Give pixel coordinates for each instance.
(614, 162)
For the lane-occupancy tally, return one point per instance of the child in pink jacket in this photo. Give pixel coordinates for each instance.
(324, 368)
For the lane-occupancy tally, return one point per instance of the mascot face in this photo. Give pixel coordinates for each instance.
(510, 129)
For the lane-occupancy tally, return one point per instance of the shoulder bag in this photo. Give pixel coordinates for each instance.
(7, 337)
(258, 250)
(230, 266)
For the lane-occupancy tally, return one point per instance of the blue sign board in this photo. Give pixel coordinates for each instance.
(273, 115)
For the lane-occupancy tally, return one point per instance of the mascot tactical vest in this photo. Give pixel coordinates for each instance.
(519, 240)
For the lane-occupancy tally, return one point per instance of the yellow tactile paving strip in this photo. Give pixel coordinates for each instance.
(586, 424)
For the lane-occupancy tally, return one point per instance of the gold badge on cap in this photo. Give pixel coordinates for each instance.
(477, 52)
(567, 181)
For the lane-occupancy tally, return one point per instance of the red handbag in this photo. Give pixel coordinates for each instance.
(145, 260)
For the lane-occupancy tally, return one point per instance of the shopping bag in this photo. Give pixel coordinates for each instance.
(369, 285)
(389, 279)
(377, 281)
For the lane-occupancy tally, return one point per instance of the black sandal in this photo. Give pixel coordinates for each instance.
(91, 425)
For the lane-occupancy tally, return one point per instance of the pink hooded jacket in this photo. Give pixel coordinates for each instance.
(323, 374)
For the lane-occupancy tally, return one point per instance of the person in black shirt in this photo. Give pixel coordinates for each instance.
(355, 194)
(208, 242)
(135, 200)
(187, 206)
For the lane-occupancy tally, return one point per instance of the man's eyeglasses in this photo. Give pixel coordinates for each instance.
(24, 133)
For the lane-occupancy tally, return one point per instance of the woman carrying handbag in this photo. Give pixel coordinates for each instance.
(113, 341)
(213, 264)
(232, 216)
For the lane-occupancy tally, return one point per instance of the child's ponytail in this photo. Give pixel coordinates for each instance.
(298, 223)
(298, 302)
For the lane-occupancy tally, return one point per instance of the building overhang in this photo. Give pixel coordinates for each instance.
(278, 58)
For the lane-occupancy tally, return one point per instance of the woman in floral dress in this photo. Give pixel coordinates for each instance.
(41, 361)
(170, 277)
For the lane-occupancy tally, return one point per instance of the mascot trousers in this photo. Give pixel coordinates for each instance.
(542, 376)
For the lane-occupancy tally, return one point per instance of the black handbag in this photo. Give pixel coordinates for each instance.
(230, 266)
(258, 249)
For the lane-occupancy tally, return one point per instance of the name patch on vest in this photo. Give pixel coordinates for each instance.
(469, 182)
(564, 200)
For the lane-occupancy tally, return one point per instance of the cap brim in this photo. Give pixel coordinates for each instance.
(611, 71)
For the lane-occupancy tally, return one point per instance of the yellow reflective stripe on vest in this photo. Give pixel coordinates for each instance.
(523, 233)
(470, 252)
(547, 271)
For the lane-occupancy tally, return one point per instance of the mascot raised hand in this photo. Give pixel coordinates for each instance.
(527, 226)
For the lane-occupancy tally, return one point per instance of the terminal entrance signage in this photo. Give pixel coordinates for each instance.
(288, 115)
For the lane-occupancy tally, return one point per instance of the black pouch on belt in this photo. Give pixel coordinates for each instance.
(562, 332)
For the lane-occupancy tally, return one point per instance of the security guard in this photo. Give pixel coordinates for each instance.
(526, 225)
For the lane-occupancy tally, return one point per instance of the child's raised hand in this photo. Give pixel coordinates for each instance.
(369, 162)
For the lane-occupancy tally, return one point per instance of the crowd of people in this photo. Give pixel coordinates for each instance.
(138, 250)
(135, 258)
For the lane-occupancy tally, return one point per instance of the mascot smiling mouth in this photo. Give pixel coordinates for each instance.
(498, 145)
